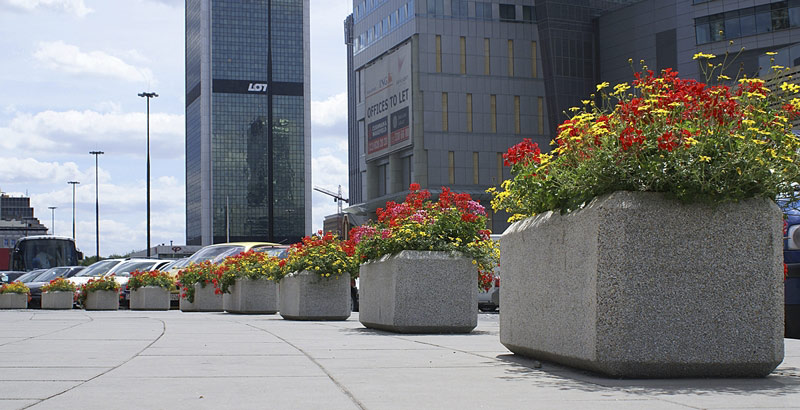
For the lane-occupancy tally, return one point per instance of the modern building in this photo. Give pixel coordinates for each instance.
(17, 220)
(485, 74)
(248, 145)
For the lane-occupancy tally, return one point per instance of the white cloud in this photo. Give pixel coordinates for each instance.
(328, 171)
(60, 56)
(77, 7)
(29, 170)
(331, 111)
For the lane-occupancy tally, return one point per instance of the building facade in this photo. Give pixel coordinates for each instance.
(17, 220)
(248, 145)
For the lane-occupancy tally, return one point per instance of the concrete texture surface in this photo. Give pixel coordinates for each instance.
(634, 285)
(58, 300)
(251, 296)
(419, 292)
(150, 298)
(13, 301)
(205, 300)
(174, 360)
(307, 296)
(102, 300)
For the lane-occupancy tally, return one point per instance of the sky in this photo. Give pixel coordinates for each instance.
(70, 73)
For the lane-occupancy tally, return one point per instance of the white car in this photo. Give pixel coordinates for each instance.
(95, 270)
(122, 273)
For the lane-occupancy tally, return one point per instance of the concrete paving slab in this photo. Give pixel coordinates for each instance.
(50, 373)
(34, 390)
(216, 366)
(6, 404)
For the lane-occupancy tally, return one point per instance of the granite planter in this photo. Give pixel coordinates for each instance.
(252, 296)
(58, 300)
(13, 301)
(150, 298)
(419, 292)
(102, 300)
(307, 296)
(635, 285)
(205, 300)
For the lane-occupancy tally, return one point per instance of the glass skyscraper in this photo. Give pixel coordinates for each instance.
(248, 145)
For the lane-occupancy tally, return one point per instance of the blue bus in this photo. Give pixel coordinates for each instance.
(44, 252)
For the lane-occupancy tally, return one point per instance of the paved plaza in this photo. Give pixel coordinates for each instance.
(174, 360)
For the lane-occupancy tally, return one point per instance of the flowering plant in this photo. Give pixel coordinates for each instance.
(15, 287)
(322, 253)
(203, 273)
(59, 285)
(453, 223)
(101, 283)
(251, 265)
(693, 142)
(153, 278)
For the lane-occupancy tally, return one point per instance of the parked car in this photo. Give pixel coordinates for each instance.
(8, 276)
(791, 257)
(489, 299)
(46, 277)
(30, 276)
(218, 252)
(122, 274)
(172, 270)
(95, 270)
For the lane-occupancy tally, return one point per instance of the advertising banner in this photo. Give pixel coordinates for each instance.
(388, 103)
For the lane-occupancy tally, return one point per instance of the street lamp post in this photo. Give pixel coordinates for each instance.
(148, 96)
(73, 183)
(52, 219)
(97, 200)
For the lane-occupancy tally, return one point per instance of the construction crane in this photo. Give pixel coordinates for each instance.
(338, 198)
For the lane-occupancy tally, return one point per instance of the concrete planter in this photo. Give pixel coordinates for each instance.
(635, 285)
(307, 296)
(419, 292)
(102, 300)
(13, 301)
(58, 300)
(205, 300)
(150, 298)
(252, 296)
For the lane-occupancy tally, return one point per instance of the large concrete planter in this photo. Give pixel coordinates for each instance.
(102, 300)
(13, 301)
(58, 300)
(205, 300)
(150, 298)
(635, 285)
(251, 296)
(307, 296)
(419, 292)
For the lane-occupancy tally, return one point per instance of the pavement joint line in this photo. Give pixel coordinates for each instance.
(50, 333)
(163, 330)
(341, 386)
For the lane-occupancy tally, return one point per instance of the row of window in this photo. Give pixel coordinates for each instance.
(487, 56)
(493, 113)
(748, 21)
(483, 10)
(451, 167)
(388, 24)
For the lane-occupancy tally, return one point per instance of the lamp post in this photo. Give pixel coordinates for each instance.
(52, 219)
(97, 200)
(73, 183)
(148, 96)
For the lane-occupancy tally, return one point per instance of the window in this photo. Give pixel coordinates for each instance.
(405, 162)
(732, 27)
(780, 16)
(438, 53)
(436, 7)
(508, 12)
(486, 56)
(444, 111)
(460, 8)
(534, 64)
(469, 112)
(451, 167)
(499, 168)
(510, 58)
(358, 84)
(540, 114)
(475, 168)
(493, 113)
(385, 25)
(527, 14)
(463, 54)
(763, 19)
(794, 13)
(382, 179)
(516, 115)
(483, 10)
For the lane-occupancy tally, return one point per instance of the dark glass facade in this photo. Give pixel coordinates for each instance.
(257, 151)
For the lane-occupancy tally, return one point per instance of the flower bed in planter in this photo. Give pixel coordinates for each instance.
(206, 299)
(308, 296)
(58, 294)
(14, 295)
(419, 292)
(632, 286)
(100, 294)
(150, 290)
(247, 282)
(198, 292)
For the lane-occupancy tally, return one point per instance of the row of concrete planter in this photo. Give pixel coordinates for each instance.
(147, 298)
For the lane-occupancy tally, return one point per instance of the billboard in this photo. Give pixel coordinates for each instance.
(388, 102)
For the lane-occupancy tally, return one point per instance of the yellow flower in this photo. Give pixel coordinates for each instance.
(602, 85)
(704, 158)
(691, 141)
(791, 88)
(771, 53)
(702, 55)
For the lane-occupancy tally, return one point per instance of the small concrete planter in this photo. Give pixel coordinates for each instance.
(205, 300)
(635, 285)
(419, 292)
(307, 296)
(58, 300)
(150, 298)
(13, 301)
(252, 296)
(102, 300)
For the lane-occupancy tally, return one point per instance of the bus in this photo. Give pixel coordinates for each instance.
(44, 252)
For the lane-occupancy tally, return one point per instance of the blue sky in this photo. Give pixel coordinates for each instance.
(70, 74)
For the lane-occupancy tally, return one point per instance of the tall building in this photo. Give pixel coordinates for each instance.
(17, 220)
(248, 144)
